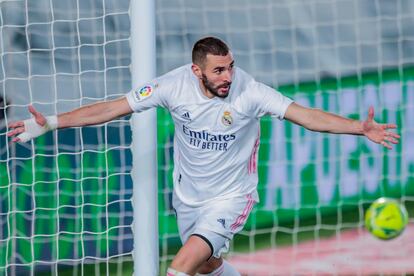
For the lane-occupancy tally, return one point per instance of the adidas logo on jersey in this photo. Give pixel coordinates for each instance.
(186, 116)
(222, 222)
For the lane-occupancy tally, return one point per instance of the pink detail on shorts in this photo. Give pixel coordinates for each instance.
(252, 165)
(170, 274)
(242, 218)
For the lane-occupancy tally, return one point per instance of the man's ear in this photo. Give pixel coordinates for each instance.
(197, 71)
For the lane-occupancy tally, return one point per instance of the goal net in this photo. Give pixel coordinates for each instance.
(65, 198)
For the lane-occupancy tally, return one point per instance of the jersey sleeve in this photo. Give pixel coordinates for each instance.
(152, 94)
(264, 100)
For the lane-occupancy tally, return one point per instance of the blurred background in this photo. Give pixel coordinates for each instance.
(65, 199)
(57, 45)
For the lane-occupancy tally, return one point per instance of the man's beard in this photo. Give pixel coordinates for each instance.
(214, 90)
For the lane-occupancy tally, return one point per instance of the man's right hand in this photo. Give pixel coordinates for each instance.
(32, 128)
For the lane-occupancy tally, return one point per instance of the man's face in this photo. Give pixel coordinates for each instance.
(216, 75)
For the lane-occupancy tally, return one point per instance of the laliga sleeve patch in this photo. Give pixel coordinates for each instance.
(144, 92)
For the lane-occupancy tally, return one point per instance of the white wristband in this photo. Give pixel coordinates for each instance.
(33, 129)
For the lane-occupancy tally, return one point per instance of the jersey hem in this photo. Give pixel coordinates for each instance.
(204, 202)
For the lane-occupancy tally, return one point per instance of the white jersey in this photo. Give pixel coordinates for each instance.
(216, 140)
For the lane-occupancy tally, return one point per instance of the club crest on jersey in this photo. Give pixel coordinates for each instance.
(227, 120)
(144, 92)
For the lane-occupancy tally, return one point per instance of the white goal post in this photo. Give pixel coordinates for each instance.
(144, 142)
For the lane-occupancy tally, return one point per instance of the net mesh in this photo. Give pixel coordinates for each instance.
(341, 56)
(65, 198)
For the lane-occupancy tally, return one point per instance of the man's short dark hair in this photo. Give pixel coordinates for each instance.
(208, 45)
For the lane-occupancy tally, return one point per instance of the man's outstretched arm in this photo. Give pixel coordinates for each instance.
(321, 121)
(93, 114)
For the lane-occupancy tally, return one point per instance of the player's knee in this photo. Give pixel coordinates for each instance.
(211, 265)
(185, 262)
(182, 263)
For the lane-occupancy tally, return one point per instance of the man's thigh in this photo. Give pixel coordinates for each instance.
(192, 256)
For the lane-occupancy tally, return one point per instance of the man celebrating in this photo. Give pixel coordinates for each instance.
(216, 108)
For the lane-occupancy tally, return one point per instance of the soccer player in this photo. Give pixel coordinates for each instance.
(216, 108)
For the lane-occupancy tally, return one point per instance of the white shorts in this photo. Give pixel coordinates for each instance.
(215, 222)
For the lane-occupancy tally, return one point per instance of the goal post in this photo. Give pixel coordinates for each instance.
(144, 142)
